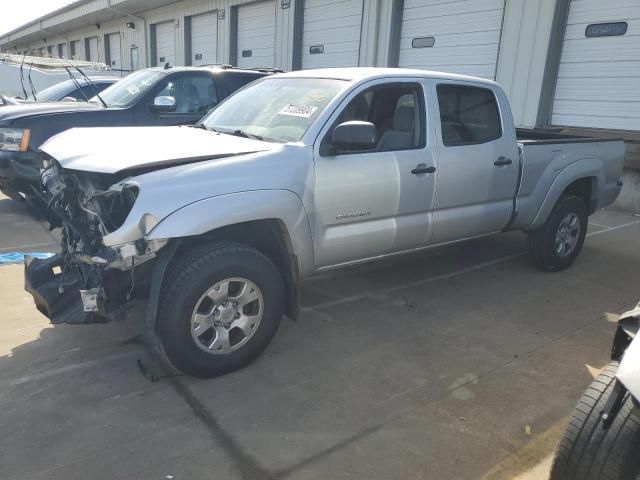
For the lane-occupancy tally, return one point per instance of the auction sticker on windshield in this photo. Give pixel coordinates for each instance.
(298, 110)
(133, 89)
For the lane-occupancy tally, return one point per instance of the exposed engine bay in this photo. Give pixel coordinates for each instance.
(87, 206)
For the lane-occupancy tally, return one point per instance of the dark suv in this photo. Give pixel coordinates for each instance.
(153, 96)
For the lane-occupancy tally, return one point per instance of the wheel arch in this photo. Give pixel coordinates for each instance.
(272, 222)
(583, 178)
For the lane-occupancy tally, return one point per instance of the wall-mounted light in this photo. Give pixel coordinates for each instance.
(221, 14)
(131, 25)
(285, 3)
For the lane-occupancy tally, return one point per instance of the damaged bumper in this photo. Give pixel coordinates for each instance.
(54, 294)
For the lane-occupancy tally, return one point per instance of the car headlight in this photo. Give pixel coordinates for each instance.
(14, 139)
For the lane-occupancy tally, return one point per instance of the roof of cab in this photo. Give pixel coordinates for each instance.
(353, 74)
(216, 67)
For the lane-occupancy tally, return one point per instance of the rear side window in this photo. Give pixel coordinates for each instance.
(236, 82)
(469, 115)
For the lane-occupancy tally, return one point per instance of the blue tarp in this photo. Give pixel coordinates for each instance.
(17, 257)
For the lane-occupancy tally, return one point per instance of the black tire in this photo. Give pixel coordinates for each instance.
(541, 242)
(589, 452)
(189, 276)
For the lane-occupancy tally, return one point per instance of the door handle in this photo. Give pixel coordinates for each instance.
(422, 168)
(501, 161)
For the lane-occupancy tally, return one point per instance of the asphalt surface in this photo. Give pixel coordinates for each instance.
(460, 362)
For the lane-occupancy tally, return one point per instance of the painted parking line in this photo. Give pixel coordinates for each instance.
(445, 276)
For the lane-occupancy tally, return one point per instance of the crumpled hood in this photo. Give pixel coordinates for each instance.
(116, 149)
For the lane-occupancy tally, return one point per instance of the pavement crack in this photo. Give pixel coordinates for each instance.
(247, 465)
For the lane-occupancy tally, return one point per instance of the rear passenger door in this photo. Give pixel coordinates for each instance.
(194, 93)
(477, 163)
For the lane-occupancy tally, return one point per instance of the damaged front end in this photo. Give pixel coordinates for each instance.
(102, 279)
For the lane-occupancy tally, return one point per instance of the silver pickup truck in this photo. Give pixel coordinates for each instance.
(294, 174)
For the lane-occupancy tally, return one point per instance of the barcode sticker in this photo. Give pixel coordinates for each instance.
(298, 110)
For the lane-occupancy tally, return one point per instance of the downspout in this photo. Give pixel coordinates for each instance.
(147, 53)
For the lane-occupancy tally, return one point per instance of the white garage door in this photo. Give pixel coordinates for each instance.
(452, 36)
(115, 56)
(93, 54)
(256, 35)
(165, 44)
(204, 39)
(598, 82)
(331, 33)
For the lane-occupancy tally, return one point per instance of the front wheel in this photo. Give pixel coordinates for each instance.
(587, 450)
(220, 307)
(556, 244)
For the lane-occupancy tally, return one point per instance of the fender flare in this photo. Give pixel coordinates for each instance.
(225, 210)
(583, 168)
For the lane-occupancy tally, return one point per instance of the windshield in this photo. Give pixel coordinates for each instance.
(127, 91)
(54, 92)
(275, 109)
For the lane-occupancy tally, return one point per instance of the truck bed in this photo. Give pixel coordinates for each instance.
(542, 137)
(546, 154)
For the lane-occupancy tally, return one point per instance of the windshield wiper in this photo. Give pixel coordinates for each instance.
(243, 134)
(203, 127)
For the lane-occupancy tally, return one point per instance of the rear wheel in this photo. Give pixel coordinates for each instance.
(220, 308)
(587, 451)
(555, 245)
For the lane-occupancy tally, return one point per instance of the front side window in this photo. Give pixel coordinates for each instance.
(193, 94)
(469, 115)
(128, 90)
(396, 110)
(275, 109)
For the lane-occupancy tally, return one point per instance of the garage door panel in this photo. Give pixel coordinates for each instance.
(599, 77)
(614, 88)
(466, 35)
(334, 26)
(581, 70)
(165, 43)
(256, 34)
(115, 58)
(204, 38)
(597, 121)
(591, 11)
(421, 9)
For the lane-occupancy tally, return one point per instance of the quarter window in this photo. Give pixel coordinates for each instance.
(469, 115)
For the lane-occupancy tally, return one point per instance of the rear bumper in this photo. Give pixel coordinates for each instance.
(54, 294)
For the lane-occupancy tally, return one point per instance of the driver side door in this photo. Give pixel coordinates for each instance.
(194, 95)
(373, 202)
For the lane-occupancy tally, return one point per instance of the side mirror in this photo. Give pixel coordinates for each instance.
(354, 135)
(164, 104)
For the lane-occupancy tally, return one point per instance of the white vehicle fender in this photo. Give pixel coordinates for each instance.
(629, 370)
(583, 168)
(230, 209)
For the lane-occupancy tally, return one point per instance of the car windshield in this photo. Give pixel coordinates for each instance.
(274, 109)
(54, 92)
(127, 91)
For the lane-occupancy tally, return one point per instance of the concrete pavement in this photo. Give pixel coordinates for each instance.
(461, 362)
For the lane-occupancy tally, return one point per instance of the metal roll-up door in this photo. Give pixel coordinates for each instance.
(91, 44)
(165, 43)
(256, 35)
(204, 38)
(598, 84)
(331, 33)
(115, 55)
(452, 36)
